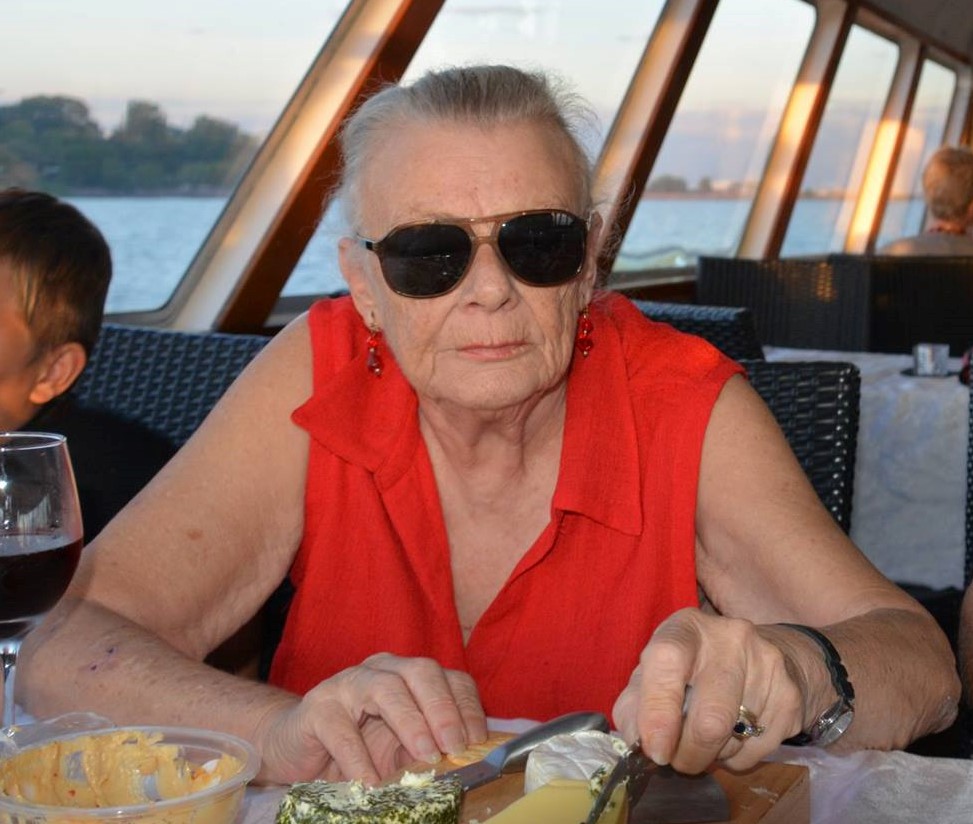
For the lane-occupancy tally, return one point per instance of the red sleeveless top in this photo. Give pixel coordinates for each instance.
(565, 631)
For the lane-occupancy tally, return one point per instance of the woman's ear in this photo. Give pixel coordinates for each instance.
(59, 369)
(353, 261)
(593, 249)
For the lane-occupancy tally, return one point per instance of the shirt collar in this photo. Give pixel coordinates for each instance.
(600, 475)
(371, 422)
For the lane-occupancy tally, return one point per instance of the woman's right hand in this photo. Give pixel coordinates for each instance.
(371, 720)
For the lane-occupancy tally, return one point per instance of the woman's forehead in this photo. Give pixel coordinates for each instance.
(463, 169)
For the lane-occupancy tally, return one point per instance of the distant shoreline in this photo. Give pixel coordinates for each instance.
(696, 195)
(155, 194)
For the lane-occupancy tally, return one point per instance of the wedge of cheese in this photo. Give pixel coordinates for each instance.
(577, 755)
(561, 801)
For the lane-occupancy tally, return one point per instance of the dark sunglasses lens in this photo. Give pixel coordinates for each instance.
(424, 261)
(544, 248)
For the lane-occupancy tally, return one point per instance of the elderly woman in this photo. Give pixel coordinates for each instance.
(497, 492)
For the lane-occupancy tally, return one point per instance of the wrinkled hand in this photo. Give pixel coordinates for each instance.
(726, 663)
(368, 721)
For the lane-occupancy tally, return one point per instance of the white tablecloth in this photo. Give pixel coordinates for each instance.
(909, 504)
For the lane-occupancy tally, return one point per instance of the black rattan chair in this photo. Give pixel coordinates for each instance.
(800, 303)
(729, 328)
(913, 299)
(166, 380)
(169, 381)
(816, 403)
(968, 565)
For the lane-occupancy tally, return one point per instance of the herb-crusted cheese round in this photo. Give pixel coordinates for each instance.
(414, 800)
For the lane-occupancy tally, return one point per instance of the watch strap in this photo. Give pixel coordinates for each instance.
(839, 679)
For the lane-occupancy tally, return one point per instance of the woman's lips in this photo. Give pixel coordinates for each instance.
(492, 351)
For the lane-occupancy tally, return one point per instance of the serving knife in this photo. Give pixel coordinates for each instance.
(511, 755)
(660, 795)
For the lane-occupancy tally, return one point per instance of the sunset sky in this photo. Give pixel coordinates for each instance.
(240, 60)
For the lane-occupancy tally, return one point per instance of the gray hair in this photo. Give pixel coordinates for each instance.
(948, 183)
(485, 96)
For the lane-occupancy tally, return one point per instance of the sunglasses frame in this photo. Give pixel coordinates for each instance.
(497, 223)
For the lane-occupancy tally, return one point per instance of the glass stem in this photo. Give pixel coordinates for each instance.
(8, 657)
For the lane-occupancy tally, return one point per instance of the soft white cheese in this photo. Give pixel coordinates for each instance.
(575, 756)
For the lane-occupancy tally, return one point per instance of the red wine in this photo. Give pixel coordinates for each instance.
(34, 572)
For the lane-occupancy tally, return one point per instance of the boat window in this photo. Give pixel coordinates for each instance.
(145, 115)
(834, 173)
(595, 47)
(905, 211)
(702, 184)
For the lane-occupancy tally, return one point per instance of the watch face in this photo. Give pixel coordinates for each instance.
(832, 726)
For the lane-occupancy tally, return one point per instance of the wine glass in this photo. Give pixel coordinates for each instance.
(40, 539)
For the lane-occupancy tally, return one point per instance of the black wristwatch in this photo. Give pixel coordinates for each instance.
(832, 723)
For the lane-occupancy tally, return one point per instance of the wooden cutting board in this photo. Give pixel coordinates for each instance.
(768, 794)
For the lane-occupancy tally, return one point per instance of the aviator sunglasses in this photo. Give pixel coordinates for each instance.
(543, 247)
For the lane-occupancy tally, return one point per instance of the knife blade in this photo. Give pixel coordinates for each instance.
(511, 755)
(631, 773)
(660, 795)
(676, 798)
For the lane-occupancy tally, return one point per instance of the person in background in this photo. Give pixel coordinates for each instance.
(55, 268)
(947, 185)
(498, 491)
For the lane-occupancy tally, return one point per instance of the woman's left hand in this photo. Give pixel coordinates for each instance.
(370, 720)
(693, 677)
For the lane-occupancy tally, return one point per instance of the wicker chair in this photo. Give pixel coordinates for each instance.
(913, 299)
(164, 379)
(729, 329)
(169, 381)
(855, 303)
(800, 303)
(816, 403)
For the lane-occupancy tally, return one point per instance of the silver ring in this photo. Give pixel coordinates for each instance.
(746, 725)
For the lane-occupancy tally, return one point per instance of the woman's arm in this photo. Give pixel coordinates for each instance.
(768, 553)
(185, 564)
(188, 562)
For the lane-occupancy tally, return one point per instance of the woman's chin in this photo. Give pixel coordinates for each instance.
(492, 393)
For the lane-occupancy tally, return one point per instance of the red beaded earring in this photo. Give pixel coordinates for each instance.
(374, 362)
(585, 328)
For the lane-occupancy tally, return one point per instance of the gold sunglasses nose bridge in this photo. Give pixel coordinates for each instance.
(491, 239)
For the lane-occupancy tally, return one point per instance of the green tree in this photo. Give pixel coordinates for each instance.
(52, 143)
(667, 183)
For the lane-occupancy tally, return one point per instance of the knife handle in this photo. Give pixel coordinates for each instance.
(511, 756)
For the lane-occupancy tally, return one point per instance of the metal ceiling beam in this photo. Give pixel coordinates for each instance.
(633, 144)
(780, 184)
(236, 278)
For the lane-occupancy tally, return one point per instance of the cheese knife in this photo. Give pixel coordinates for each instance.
(659, 795)
(511, 755)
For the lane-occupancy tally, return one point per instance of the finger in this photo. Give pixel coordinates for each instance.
(339, 733)
(388, 753)
(429, 721)
(625, 710)
(667, 667)
(467, 698)
(381, 689)
(776, 702)
(711, 711)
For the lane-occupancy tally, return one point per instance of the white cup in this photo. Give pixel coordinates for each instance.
(930, 359)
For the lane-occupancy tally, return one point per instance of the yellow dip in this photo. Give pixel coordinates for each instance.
(110, 769)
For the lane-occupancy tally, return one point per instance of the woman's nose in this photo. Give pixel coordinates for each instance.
(489, 280)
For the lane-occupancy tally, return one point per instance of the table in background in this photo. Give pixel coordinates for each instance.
(909, 504)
